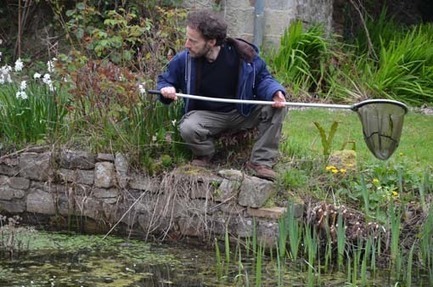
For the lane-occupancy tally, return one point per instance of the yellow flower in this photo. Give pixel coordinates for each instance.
(395, 194)
(375, 181)
(343, 170)
(330, 167)
(334, 170)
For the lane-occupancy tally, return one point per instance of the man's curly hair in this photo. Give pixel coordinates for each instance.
(209, 24)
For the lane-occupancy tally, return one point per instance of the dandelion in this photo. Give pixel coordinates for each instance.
(395, 194)
(18, 65)
(343, 170)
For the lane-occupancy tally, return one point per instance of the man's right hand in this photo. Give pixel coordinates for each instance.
(169, 93)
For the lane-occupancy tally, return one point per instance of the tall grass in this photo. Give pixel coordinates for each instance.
(392, 62)
(301, 60)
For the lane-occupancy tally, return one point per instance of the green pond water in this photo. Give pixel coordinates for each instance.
(55, 259)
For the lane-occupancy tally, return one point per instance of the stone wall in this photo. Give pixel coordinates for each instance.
(106, 195)
(278, 14)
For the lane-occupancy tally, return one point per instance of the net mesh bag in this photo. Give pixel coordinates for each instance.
(382, 124)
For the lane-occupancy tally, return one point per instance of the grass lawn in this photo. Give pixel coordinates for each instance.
(302, 138)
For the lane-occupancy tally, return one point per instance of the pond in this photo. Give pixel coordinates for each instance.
(57, 259)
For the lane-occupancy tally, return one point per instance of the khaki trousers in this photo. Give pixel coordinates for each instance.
(199, 128)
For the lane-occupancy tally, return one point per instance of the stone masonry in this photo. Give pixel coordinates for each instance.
(106, 195)
(278, 14)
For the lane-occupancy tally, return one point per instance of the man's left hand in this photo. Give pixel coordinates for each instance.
(279, 100)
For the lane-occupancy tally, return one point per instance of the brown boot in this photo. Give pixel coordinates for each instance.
(202, 161)
(261, 171)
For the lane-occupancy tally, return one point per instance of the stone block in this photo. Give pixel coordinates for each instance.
(104, 174)
(121, 165)
(105, 157)
(142, 182)
(67, 175)
(254, 192)
(9, 165)
(281, 4)
(9, 193)
(19, 183)
(15, 206)
(227, 190)
(39, 201)
(269, 213)
(101, 193)
(35, 166)
(77, 159)
(85, 177)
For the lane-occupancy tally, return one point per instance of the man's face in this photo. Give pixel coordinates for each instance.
(197, 45)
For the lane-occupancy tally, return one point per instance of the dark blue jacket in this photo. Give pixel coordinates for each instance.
(255, 81)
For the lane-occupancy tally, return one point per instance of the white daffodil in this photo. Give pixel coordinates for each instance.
(19, 65)
(23, 85)
(47, 79)
(141, 89)
(21, 95)
(50, 65)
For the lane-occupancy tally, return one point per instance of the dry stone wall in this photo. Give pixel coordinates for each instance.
(104, 194)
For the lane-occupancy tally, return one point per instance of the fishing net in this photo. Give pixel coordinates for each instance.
(382, 124)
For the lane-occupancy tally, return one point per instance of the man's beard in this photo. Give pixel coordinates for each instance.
(201, 53)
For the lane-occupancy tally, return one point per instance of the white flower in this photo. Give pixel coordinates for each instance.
(18, 65)
(50, 65)
(173, 122)
(37, 76)
(21, 95)
(5, 76)
(47, 79)
(23, 85)
(141, 89)
(1, 55)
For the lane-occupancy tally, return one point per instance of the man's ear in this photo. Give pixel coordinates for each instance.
(212, 42)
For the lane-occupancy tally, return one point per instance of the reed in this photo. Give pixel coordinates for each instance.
(395, 218)
(341, 241)
(219, 262)
(311, 246)
(259, 265)
(408, 273)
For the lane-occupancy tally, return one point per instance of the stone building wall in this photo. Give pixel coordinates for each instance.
(278, 14)
(104, 194)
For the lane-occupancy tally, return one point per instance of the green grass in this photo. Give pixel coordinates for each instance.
(302, 138)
